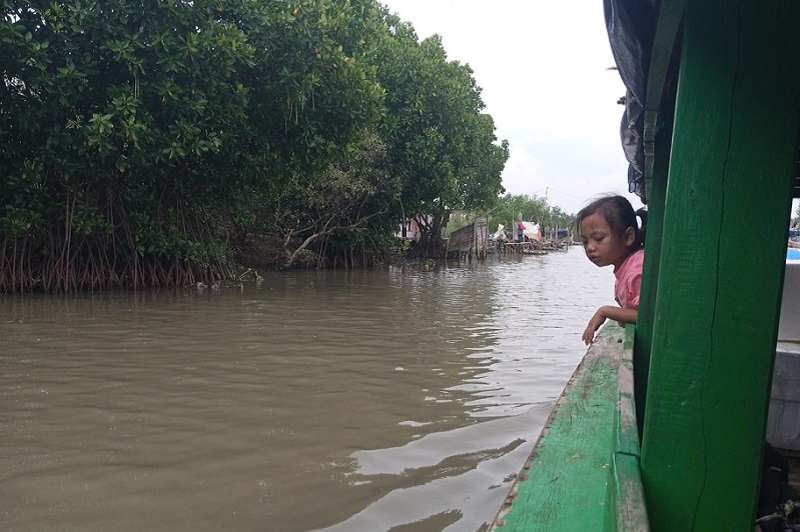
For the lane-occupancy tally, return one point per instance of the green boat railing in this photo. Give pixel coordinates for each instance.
(625, 509)
(583, 473)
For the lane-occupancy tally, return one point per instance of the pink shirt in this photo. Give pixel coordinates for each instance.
(629, 280)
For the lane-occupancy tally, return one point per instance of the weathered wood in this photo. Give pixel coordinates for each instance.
(625, 507)
(563, 485)
(584, 472)
(670, 15)
(658, 125)
(652, 258)
(625, 489)
(626, 430)
(471, 240)
(717, 300)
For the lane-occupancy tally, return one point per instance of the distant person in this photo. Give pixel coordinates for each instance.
(611, 236)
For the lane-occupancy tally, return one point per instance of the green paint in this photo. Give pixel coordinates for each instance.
(718, 293)
(659, 84)
(626, 430)
(652, 258)
(625, 507)
(658, 126)
(565, 487)
(584, 472)
(626, 496)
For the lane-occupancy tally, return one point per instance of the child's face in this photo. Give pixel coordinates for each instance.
(601, 245)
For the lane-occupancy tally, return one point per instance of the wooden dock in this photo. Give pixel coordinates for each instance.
(471, 241)
(529, 248)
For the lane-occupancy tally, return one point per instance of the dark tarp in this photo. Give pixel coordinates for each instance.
(631, 27)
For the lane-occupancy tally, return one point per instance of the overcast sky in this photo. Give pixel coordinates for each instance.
(543, 67)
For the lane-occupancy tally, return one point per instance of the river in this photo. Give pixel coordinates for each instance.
(389, 399)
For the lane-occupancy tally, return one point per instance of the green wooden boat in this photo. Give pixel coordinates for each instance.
(663, 425)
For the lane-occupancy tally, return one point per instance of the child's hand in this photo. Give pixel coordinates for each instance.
(597, 320)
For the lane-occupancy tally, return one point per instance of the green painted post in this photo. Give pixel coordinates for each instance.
(652, 257)
(722, 258)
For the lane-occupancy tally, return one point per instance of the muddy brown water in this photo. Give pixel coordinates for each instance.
(393, 399)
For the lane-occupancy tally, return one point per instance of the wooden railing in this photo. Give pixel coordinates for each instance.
(583, 473)
(625, 507)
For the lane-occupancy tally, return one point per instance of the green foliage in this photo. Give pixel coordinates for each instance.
(439, 142)
(530, 208)
(135, 136)
(519, 207)
(351, 203)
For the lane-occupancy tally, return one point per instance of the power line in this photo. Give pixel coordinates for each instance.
(568, 194)
(536, 193)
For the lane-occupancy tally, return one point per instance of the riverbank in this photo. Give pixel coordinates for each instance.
(267, 253)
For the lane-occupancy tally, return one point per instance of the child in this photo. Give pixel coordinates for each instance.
(611, 236)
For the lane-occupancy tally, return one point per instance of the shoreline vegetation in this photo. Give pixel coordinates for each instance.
(146, 144)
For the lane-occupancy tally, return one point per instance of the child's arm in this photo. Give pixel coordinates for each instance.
(624, 315)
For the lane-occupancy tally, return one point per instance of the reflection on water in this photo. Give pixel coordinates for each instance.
(350, 401)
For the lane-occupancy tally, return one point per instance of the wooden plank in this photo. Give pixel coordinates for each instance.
(652, 258)
(625, 508)
(717, 300)
(626, 429)
(626, 490)
(563, 486)
(670, 17)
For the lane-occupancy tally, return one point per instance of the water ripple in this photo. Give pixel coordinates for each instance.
(316, 400)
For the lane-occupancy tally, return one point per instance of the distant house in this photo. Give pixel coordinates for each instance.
(408, 229)
(525, 232)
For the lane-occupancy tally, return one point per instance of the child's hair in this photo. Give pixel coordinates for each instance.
(619, 215)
